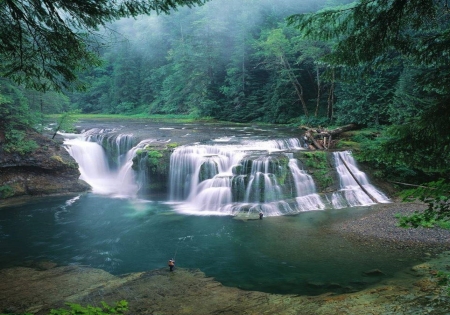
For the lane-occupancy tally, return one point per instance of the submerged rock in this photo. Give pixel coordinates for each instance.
(191, 292)
(374, 272)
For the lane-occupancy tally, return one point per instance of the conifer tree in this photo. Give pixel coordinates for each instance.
(45, 43)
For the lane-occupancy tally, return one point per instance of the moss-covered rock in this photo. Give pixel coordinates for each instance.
(208, 170)
(320, 165)
(47, 170)
(152, 164)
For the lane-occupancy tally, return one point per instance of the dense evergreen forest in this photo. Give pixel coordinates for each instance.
(380, 64)
(229, 60)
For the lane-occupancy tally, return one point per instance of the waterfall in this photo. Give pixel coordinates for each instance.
(307, 198)
(241, 179)
(94, 165)
(201, 175)
(351, 193)
(227, 176)
(116, 145)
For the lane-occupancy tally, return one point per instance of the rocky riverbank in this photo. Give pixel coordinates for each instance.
(40, 287)
(379, 228)
(49, 170)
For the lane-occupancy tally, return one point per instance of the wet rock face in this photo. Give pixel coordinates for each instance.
(48, 170)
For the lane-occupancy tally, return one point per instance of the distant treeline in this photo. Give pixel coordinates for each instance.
(229, 60)
(383, 65)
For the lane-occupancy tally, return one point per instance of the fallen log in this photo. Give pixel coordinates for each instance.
(311, 138)
(312, 135)
(357, 181)
(342, 129)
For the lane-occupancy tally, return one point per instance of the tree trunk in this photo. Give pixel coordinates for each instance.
(298, 87)
(330, 110)
(318, 91)
(342, 129)
(311, 138)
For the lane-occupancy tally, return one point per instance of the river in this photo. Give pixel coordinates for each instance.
(292, 253)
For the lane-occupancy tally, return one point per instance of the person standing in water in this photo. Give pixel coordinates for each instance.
(171, 264)
(261, 214)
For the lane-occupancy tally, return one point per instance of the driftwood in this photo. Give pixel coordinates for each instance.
(311, 138)
(321, 139)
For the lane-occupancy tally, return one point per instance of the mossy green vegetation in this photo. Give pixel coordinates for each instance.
(443, 279)
(6, 191)
(17, 142)
(76, 309)
(153, 163)
(315, 159)
(317, 164)
(172, 145)
(437, 196)
(175, 118)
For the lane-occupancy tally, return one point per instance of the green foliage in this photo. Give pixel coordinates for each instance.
(367, 30)
(6, 191)
(17, 142)
(172, 145)
(375, 148)
(443, 278)
(437, 197)
(44, 51)
(396, 48)
(15, 119)
(76, 309)
(153, 158)
(200, 64)
(66, 122)
(317, 160)
(365, 101)
(310, 121)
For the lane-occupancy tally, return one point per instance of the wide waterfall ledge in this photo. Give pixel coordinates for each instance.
(234, 176)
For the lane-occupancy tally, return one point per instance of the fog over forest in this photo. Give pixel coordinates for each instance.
(217, 60)
(216, 12)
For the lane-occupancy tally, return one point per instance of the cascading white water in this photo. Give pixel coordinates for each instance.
(119, 144)
(307, 198)
(240, 178)
(212, 164)
(262, 186)
(351, 194)
(229, 177)
(95, 169)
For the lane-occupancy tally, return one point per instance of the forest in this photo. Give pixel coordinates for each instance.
(380, 64)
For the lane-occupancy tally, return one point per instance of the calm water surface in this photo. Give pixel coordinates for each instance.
(277, 254)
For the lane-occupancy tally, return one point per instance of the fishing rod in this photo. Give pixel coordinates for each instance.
(178, 244)
(176, 250)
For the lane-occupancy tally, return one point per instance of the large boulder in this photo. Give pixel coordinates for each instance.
(47, 170)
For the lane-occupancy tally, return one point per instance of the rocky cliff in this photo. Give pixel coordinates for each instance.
(47, 170)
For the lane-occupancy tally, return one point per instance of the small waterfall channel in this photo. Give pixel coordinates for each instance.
(228, 176)
(355, 189)
(103, 174)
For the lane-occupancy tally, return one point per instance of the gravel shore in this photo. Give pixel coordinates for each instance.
(379, 227)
